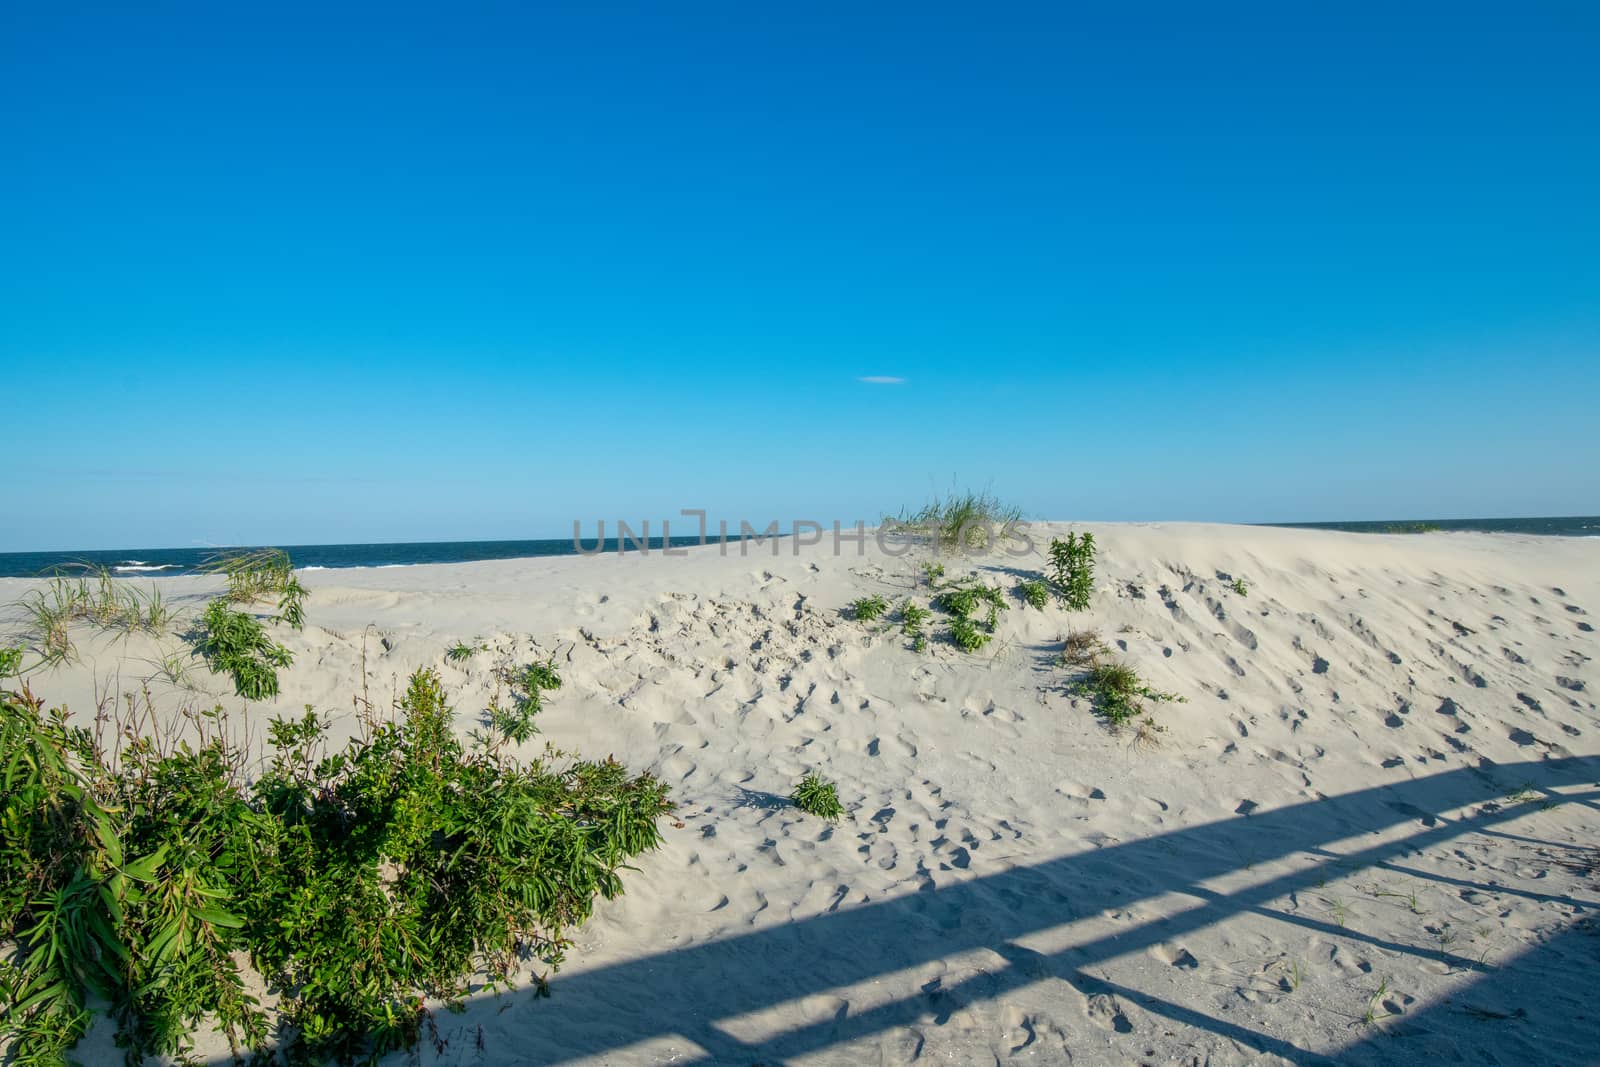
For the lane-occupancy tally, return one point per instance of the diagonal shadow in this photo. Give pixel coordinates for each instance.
(689, 995)
(1535, 1008)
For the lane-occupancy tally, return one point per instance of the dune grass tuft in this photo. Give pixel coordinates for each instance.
(1119, 694)
(91, 595)
(261, 574)
(962, 522)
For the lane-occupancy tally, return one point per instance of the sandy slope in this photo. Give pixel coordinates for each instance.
(1328, 813)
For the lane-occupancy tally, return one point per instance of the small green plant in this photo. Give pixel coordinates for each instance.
(1524, 794)
(1295, 977)
(10, 662)
(1072, 569)
(291, 600)
(237, 644)
(1034, 592)
(869, 608)
(1239, 587)
(962, 602)
(528, 686)
(1409, 898)
(932, 573)
(1119, 694)
(815, 795)
(913, 617)
(460, 652)
(968, 635)
(1376, 1010)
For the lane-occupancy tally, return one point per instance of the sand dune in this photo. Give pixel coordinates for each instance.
(1383, 778)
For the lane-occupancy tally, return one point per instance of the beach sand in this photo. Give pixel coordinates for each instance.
(1383, 777)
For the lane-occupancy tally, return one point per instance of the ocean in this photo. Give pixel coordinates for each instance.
(161, 562)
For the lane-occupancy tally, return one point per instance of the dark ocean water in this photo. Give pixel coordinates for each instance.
(1571, 526)
(160, 562)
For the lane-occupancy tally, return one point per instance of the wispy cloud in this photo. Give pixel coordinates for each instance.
(882, 379)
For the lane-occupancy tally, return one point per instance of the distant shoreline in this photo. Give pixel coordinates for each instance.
(167, 562)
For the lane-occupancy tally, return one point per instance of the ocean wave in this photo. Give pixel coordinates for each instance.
(314, 567)
(136, 565)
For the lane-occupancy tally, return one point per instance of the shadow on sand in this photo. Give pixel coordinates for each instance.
(1509, 1013)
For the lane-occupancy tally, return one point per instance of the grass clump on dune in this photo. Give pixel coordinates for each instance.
(962, 522)
(815, 795)
(260, 574)
(1081, 647)
(355, 885)
(1118, 693)
(89, 596)
(1035, 593)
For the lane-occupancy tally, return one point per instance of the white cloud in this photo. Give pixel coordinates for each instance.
(882, 379)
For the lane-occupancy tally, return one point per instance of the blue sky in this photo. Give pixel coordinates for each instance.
(282, 274)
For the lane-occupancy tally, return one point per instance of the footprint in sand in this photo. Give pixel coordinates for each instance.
(1103, 1010)
(1175, 956)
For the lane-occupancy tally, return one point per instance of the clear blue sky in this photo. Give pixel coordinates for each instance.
(285, 274)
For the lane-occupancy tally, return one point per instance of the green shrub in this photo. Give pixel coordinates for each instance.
(355, 884)
(1034, 592)
(815, 795)
(1072, 569)
(869, 608)
(913, 617)
(237, 644)
(460, 652)
(1239, 587)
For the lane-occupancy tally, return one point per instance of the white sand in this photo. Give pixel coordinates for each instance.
(1012, 881)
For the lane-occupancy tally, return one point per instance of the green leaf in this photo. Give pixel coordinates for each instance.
(145, 870)
(217, 917)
